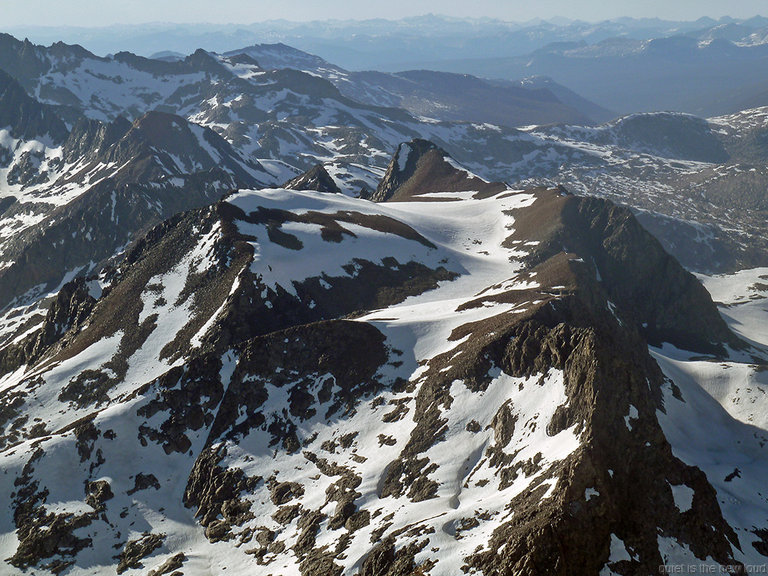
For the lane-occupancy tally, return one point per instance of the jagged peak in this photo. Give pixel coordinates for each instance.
(608, 252)
(200, 60)
(421, 167)
(316, 178)
(151, 65)
(182, 146)
(159, 118)
(72, 50)
(91, 136)
(203, 60)
(159, 129)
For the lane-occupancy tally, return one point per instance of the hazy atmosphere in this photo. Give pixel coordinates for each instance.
(97, 13)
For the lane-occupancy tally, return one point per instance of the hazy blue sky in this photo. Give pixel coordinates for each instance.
(105, 12)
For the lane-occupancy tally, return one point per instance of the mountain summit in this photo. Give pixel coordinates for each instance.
(420, 168)
(316, 178)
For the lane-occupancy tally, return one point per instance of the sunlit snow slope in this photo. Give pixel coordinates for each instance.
(296, 382)
(727, 397)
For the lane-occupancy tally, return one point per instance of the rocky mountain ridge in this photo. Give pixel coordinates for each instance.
(73, 197)
(288, 121)
(223, 355)
(444, 96)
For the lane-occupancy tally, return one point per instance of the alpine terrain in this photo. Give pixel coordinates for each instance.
(263, 316)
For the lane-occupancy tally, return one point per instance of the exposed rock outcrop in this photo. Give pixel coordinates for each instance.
(316, 178)
(420, 167)
(68, 311)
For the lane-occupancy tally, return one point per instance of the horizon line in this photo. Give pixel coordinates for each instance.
(530, 21)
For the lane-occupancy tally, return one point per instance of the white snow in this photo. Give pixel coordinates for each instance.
(683, 496)
(619, 550)
(618, 553)
(420, 327)
(721, 423)
(631, 416)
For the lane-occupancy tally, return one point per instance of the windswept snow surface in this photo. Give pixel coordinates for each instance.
(731, 397)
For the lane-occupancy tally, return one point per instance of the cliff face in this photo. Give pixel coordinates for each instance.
(625, 262)
(24, 117)
(419, 168)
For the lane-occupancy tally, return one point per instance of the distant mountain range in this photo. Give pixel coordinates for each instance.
(681, 73)
(705, 67)
(440, 95)
(392, 44)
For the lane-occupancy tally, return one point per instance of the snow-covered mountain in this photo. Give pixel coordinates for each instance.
(287, 121)
(421, 355)
(440, 95)
(71, 197)
(304, 382)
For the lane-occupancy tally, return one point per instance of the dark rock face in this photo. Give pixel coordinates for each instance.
(634, 500)
(143, 482)
(42, 534)
(91, 139)
(69, 310)
(135, 551)
(50, 535)
(6, 202)
(384, 560)
(420, 167)
(21, 59)
(292, 359)
(215, 492)
(673, 135)
(170, 139)
(316, 178)
(629, 261)
(402, 167)
(98, 493)
(170, 566)
(27, 118)
(678, 309)
(295, 357)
